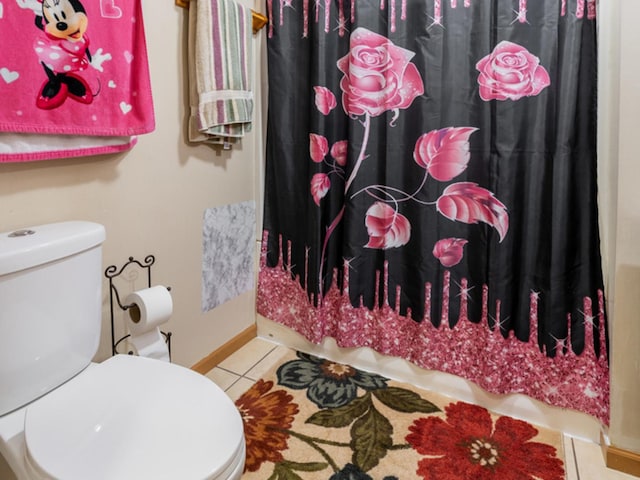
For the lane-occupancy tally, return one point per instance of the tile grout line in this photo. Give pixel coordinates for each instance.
(228, 371)
(243, 376)
(236, 381)
(255, 364)
(248, 369)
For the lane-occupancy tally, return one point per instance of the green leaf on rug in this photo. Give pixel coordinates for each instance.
(281, 473)
(370, 439)
(285, 469)
(341, 416)
(404, 401)
(305, 467)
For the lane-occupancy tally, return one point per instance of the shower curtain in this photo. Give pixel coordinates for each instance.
(431, 188)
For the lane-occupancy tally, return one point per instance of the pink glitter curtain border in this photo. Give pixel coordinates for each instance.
(470, 350)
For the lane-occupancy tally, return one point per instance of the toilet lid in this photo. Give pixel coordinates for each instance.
(134, 418)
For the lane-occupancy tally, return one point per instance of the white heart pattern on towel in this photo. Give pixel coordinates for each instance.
(111, 84)
(110, 10)
(1, 10)
(8, 76)
(128, 56)
(125, 107)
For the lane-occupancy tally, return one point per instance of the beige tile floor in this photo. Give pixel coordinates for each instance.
(238, 372)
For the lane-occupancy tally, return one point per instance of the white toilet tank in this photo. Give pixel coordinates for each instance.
(50, 307)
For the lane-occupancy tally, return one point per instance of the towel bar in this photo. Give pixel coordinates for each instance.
(259, 20)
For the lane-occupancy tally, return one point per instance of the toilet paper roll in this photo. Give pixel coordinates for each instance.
(150, 344)
(149, 309)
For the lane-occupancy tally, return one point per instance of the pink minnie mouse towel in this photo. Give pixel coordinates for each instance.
(74, 78)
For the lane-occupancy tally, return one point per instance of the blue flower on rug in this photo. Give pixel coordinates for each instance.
(328, 384)
(351, 472)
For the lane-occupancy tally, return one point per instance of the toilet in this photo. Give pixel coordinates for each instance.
(63, 416)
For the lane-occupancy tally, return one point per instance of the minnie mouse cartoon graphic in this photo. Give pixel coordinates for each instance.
(63, 52)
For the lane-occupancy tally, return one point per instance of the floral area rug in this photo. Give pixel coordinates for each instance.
(312, 418)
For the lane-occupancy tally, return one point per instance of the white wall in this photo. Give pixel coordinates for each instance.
(151, 199)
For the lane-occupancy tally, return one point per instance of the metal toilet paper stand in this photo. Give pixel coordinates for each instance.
(113, 272)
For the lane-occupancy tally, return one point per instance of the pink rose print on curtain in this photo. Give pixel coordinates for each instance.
(318, 147)
(444, 153)
(510, 72)
(449, 251)
(467, 202)
(339, 152)
(378, 75)
(325, 100)
(387, 228)
(320, 184)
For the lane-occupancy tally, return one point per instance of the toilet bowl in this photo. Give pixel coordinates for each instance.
(128, 418)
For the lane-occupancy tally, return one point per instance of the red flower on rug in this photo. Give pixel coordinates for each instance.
(266, 416)
(468, 446)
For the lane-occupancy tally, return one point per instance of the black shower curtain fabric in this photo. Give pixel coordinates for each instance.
(431, 188)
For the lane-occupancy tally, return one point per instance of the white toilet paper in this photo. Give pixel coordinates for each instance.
(150, 308)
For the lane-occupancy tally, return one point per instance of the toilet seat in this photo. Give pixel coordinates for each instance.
(135, 418)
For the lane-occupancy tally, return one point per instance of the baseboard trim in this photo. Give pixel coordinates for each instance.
(620, 459)
(209, 362)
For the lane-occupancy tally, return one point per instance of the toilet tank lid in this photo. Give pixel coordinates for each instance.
(33, 246)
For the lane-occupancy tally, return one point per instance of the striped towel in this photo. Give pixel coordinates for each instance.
(220, 71)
